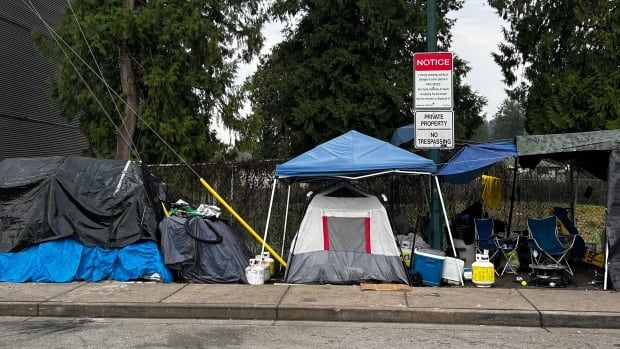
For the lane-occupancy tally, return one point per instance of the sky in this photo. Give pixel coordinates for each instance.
(475, 36)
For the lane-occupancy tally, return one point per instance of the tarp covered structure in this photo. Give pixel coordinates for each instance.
(612, 224)
(345, 237)
(590, 150)
(203, 250)
(98, 202)
(66, 260)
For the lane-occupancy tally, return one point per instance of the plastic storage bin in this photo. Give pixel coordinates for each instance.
(429, 265)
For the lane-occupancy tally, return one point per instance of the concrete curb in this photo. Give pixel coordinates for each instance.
(414, 315)
(157, 310)
(527, 318)
(19, 308)
(581, 319)
(490, 317)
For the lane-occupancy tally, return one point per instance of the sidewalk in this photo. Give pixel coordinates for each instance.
(472, 306)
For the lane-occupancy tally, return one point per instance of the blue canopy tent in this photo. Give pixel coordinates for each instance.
(351, 156)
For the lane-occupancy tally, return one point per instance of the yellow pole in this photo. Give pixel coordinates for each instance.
(166, 213)
(247, 227)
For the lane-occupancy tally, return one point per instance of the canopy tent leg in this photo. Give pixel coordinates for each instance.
(445, 215)
(606, 263)
(512, 197)
(273, 193)
(288, 198)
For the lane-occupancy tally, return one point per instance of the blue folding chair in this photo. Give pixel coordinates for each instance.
(487, 240)
(544, 242)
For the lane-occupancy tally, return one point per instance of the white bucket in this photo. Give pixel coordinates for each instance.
(255, 273)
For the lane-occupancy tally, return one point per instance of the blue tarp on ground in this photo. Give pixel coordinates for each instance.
(472, 160)
(67, 260)
(353, 153)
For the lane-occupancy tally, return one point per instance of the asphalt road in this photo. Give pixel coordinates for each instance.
(49, 333)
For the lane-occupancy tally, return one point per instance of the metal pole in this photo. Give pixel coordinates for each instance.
(512, 197)
(288, 198)
(434, 154)
(606, 261)
(445, 215)
(273, 193)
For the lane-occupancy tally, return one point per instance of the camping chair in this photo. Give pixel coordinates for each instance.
(544, 242)
(487, 240)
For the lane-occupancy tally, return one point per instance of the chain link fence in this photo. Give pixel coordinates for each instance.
(247, 187)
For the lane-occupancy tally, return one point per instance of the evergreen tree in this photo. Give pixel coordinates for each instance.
(346, 65)
(509, 121)
(182, 56)
(568, 51)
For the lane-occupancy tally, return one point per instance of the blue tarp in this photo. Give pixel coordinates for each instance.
(67, 260)
(353, 153)
(403, 135)
(472, 160)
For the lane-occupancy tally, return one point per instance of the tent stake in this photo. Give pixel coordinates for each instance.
(241, 221)
(445, 215)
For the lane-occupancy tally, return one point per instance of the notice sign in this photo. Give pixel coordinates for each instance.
(434, 129)
(433, 80)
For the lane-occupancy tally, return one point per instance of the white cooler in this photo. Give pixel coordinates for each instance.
(452, 267)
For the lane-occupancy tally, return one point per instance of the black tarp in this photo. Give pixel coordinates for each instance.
(612, 225)
(203, 250)
(98, 202)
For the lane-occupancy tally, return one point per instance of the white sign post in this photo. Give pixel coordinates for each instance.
(433, 100)
(434, 129)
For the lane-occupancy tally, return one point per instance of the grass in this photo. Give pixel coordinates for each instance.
(590, 221)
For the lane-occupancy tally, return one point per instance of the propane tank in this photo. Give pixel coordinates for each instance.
(255, 272)
(483, 271)
(265, 264)
(272, 263)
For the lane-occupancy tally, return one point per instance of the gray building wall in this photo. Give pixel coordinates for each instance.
(30, 122)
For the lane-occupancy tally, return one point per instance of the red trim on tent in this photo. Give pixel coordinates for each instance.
(325, 234)
(367, 232)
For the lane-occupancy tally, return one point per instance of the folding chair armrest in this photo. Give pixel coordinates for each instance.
(570, 241)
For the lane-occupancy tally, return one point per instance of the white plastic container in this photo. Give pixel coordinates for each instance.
(451, 271)
(483, 271)
(255, 273)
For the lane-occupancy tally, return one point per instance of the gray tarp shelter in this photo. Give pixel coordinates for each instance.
(351, 156)
(598, 152)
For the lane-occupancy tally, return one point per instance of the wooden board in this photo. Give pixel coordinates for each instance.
(384, 287)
